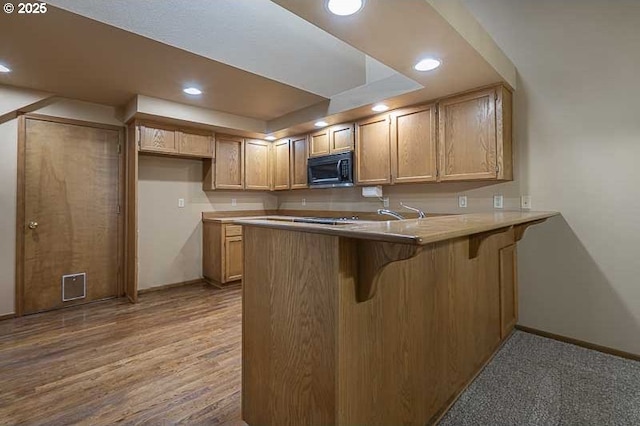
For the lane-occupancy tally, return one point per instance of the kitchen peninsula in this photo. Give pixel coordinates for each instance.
(373, 323)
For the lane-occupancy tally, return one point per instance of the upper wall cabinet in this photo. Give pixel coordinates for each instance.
(373, 156)
(281, 159)
(229, 162)
(299, 155)
(195, 144)
(413, 145)
(475, 136)
(161, 139)
(257, 165)
(332, 140)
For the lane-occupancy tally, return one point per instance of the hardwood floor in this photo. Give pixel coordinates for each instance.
(173, 358)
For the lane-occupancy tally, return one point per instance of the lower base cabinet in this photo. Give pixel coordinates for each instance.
(222, 252)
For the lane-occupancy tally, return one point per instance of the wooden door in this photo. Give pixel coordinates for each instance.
(341, 138)
(299, 157)
(319, 143)
(233, 258)
(281, 160)
(467, 137)
(413, 145)
(72, 222)
(195, 145)
(508, 290)
(373, 157)
(257, 168)
(157, 139)
(229, 170)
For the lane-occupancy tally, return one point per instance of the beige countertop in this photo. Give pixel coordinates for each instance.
(409, 231)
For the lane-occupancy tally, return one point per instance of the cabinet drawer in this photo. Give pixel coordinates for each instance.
(233, 230)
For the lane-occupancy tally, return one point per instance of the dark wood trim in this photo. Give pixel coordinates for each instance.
(581, 343)
(73, 122)
(19, 287)
(7, 316)
(168, 286)
(20, 200)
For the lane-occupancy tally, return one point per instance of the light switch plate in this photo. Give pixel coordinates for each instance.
(498, 201)
(462, 201)
(525, 202)
(181, 202)
(304, 201)
(385, 202)
(233, 202)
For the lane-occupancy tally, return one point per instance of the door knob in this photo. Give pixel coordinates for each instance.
(33, 225)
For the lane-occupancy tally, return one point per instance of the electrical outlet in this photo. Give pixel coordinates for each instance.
(304, 201)
(525, 202)
(462, 201)
(385, 202)
(498, 201)
(233, 202)
(181, 202)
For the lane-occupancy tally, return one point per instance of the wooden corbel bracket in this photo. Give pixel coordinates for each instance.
(476, 240)
(519, 229)
(373, 257)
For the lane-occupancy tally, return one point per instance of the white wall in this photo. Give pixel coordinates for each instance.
(8, 184)
(578, 119)
(170, 239)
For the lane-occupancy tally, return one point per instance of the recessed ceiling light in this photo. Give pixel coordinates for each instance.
(4, 69)
(192, 91)
(380, 108)
(270, 138)
(427, 64)
(344, 7)
(320, 123)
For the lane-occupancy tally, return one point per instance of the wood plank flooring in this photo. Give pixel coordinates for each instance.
(174, 358)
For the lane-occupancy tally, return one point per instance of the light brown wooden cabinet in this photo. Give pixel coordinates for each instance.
(229, 162)
(299, 155)
(475, 136)
(281, 160)
(332, 140)
(162, 139)
(413, 145)
(257, 164)
(222, 252)
(508, 289)
(373, 155)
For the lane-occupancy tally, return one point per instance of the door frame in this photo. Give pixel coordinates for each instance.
(21, 200)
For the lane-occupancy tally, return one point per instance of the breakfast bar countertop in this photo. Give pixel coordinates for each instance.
(409, 231)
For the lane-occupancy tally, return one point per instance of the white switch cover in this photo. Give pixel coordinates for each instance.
(233, 202)
(304, 201)
(385, 202)
(462, 201)
(498, 201)
(181, 202)
(525, 202)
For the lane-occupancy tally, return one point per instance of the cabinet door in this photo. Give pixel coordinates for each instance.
(341, 138)
(195, 145)
(257, 165)
(319, 143)
(467, 136)
(281, 171)
(299, 155)
(154, 139)
(413, 145)
(373, 159)
(233, 258)
(508, 289)
(229, 170)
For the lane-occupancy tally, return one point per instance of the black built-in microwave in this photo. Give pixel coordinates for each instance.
(331, 171)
